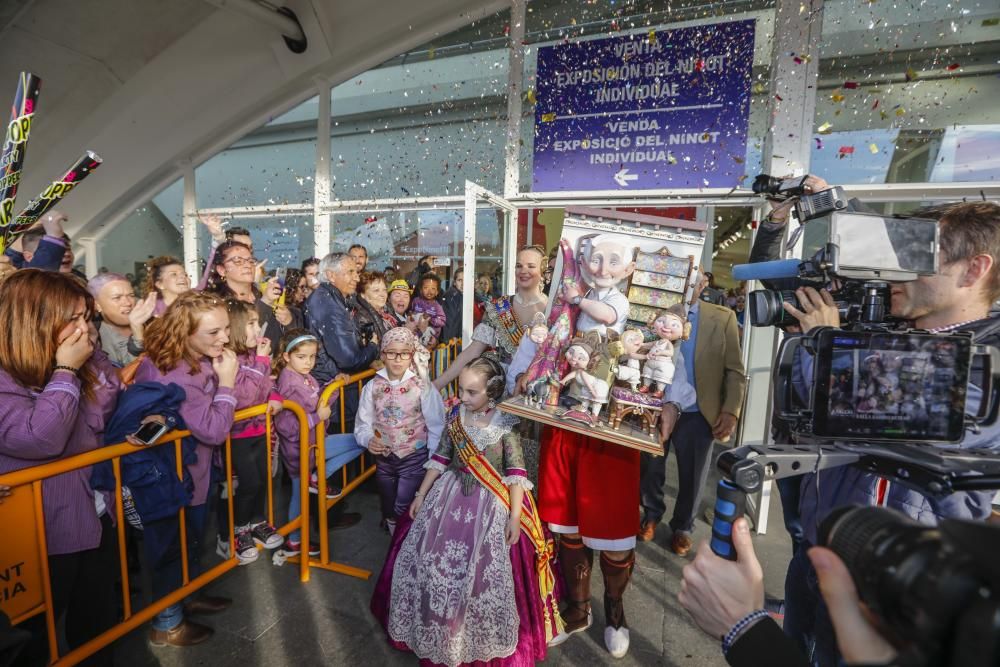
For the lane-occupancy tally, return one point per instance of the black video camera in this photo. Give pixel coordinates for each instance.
(779, 188)
(852, 254)
(936, 590)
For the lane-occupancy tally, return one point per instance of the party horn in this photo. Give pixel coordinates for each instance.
(51, 195)
(16, 143)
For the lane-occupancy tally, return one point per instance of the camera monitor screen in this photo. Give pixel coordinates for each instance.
(897, 387)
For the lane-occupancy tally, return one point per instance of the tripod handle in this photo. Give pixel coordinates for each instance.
(730, 504)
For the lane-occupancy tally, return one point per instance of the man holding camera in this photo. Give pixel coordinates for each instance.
(956, 299)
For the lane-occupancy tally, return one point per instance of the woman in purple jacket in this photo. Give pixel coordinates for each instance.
(186, 347)
(56, 393)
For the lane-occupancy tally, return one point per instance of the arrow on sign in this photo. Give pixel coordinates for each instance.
(623, 177)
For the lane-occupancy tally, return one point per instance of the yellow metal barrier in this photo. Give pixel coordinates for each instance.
(32, 478)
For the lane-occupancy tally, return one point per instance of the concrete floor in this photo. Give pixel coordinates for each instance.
(278, 621)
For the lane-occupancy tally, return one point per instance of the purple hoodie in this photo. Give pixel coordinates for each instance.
(207, 411)
(253, 387)
(304, 390)
(38, 427)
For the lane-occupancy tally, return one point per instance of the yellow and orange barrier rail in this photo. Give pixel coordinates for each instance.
(29, 552)
(25, 587)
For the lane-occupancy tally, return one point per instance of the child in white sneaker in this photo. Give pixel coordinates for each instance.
(295, 360)
(249, 444)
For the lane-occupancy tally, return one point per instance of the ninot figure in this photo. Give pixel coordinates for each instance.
(590, 390)
(629, 371)
(670, 326)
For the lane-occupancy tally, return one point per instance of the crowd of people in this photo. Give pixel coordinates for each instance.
(471, 571)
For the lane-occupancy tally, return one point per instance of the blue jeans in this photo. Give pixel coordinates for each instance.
(162, 544)
(806, 618)
(341, 449)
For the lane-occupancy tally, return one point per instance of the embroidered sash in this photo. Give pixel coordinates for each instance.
(509, 328)
(481, 469)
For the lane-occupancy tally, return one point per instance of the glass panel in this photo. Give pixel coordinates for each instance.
(907, 96)
(275, 164)
(283, 240)
(396, 241)
(490, 224)
(170, 203)
(731, 240)
(421, 125)
(144, 232)
(552, 22)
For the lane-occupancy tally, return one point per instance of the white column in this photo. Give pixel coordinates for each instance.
(786, 150)
(91, 259)
(469, 260)
(798, 27)
(706, 214)
(190, 225)
(515, 84)
(321, 192)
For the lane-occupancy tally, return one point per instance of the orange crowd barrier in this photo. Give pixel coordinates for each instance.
(26, 591)
(25, 588)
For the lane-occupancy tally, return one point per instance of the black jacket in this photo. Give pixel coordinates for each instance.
(452, 303)
(765, 644)
(328, 317)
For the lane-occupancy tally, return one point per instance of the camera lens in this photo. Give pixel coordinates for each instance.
(765, 307)
(765, 184)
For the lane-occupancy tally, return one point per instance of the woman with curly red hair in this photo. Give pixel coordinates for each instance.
(187, 347)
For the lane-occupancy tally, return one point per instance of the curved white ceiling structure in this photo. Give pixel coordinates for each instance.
(151, 86)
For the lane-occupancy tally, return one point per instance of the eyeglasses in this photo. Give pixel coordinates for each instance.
(394, 356)
(241, 261)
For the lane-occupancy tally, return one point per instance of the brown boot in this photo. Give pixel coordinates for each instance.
(577, 561)
(188, 633)
(617, 574)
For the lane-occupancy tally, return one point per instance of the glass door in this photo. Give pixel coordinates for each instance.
(489, 250)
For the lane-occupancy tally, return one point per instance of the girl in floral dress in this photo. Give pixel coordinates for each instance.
(469, 580)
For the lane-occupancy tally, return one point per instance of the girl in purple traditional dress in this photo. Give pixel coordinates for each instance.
(462, 584)
(400, 417)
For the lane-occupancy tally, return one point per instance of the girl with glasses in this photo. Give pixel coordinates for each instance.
(400, 420)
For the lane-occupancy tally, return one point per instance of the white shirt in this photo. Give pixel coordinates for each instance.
(610, 297)
(431, 406)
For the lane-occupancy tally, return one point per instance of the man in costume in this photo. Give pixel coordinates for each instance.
(588, 487)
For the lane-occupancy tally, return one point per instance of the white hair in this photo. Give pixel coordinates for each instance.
(335, 261)
(588, 243)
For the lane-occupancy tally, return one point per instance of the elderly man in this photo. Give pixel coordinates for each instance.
(328, 315)
(604, 263)
(44, 246)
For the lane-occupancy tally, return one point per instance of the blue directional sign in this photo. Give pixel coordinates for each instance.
(664, 109)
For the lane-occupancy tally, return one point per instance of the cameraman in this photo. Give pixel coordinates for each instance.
(957, 298)
(726, 600)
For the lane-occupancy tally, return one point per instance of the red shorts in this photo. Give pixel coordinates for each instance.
(589, 486)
